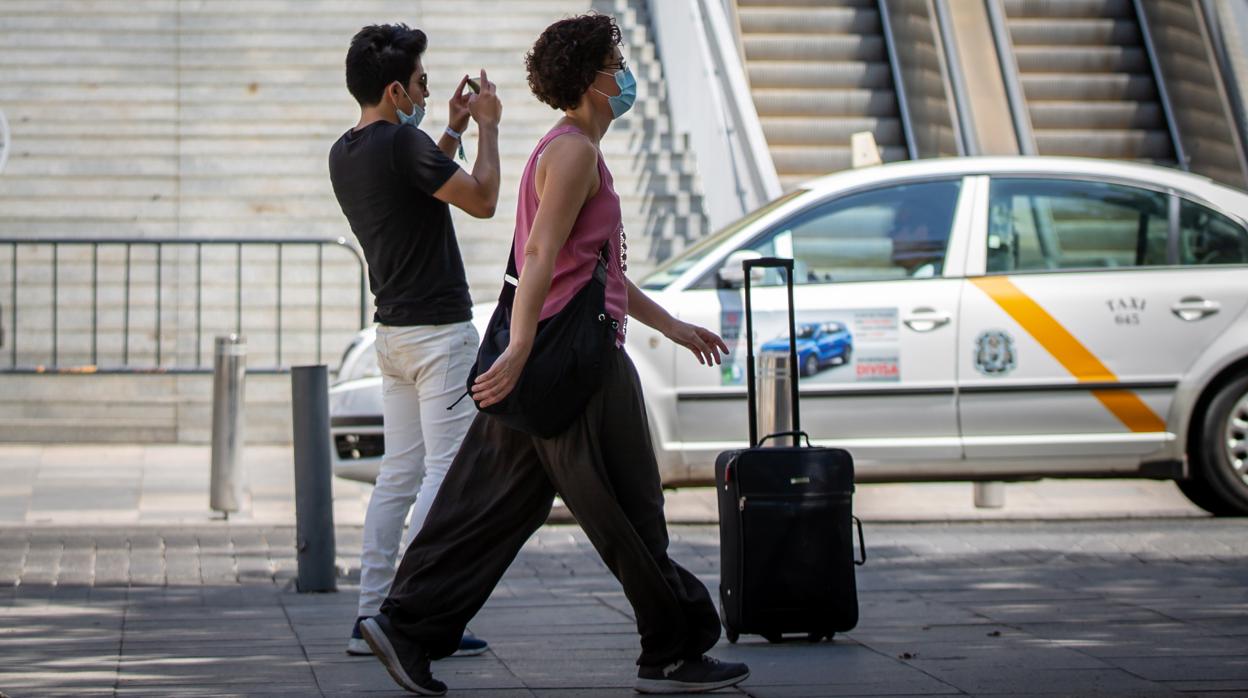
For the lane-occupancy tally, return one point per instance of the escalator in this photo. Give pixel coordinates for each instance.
(1088, 81)
(819, 71)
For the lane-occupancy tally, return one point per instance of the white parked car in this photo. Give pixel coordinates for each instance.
(1007, 318)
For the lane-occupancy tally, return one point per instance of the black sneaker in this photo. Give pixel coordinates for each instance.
(407, 663)
(690, 676)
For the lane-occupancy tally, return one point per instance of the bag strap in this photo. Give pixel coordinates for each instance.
(511, 278)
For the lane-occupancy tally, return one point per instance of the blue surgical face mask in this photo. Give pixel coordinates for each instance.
(621, 103)
(418, 112)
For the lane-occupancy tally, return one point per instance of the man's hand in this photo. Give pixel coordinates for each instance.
(497, 383)
(705, 344)
(485, 107)
(458, 118)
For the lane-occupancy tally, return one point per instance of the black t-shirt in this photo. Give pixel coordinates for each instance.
(384, 176)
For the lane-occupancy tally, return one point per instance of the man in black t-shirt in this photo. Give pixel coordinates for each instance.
(395, 186)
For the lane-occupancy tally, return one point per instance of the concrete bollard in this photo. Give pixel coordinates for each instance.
(989, 495)
(229, 368)
(314, 497)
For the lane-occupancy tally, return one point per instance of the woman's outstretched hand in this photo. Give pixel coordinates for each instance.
(705, 344)
(496, 384)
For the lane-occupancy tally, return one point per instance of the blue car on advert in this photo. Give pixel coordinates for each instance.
(819, 345)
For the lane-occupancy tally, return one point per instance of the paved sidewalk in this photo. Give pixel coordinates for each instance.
(43, 485)
(1123, 608)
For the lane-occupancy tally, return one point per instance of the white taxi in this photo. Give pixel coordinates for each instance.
(996, 319)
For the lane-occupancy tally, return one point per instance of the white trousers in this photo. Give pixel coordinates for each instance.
(424, 369)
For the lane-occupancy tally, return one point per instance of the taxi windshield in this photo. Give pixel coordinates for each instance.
(671, 270)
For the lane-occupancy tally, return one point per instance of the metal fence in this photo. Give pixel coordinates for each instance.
(60, 291)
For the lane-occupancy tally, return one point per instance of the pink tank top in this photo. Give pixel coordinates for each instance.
(598, 222)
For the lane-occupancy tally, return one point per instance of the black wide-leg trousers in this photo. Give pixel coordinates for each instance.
(499, 490)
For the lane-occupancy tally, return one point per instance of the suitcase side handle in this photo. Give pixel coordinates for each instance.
(786, 433)
(862, 543)
(747, 266)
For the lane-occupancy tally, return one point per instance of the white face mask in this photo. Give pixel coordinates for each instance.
(418, 112)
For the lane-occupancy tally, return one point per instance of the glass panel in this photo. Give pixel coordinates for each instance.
(1037, 224)
(893, 233)
(671, 270)
(1208, 237)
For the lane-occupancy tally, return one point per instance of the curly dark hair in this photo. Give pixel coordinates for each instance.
(567, 57)
(380, 55)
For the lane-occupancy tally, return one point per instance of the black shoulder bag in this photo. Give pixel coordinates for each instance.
(565, 368)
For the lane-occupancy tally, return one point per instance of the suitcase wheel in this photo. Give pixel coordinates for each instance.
(816, 637)
(733, 636)
(773, 638)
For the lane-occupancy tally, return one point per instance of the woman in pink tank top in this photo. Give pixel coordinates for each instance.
(500, 487)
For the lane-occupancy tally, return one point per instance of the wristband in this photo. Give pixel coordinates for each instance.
(459, 137)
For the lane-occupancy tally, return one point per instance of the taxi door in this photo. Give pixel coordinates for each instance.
(882, 269)
(1076, 335)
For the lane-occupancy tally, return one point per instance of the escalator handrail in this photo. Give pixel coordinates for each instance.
(1163, 95)
(955, 84)
(894, 66)
(1009, 74)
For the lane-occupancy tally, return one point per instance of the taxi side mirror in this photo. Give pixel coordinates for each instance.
(732, 275)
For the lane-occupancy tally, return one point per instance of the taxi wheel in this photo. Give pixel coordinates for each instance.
(1199, 493)
(1222, 460)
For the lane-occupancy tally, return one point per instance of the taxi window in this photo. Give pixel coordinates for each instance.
(1039, 224)
(674, 267)
(1208, 237)
(894, 232)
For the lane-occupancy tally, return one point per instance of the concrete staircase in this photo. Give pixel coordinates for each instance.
(818, 72)
(1087, 80)
(180, 118)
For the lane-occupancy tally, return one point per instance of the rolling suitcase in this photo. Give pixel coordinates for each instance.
(785, 521)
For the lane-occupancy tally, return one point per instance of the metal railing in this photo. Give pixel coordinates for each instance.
(24, 293)
(710, 100)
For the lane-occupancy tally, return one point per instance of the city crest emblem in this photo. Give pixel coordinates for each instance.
(994, 353)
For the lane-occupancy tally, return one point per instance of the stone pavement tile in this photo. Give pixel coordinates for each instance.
(456, 693)
(22, 682)
(485, 671)
(13, 508)
(1038, 655)
(571, 673)
(220, 673)
(1225, 688)
(875, 610)
(892, 689)
(600, 693)
(95, 454)
(830, 663)
(1061, 611)
(1137, 639)
(1188, 608)
(984, 679)
(539, 641)
(1188, 668)
(235, 690)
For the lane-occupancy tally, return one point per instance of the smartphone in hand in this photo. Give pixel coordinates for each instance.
(474, 86)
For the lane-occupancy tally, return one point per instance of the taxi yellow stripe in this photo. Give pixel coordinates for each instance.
(1130, 410)
(1070, 353)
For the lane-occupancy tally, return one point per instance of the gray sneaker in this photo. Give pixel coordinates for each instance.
(690, 676)
(407, 663)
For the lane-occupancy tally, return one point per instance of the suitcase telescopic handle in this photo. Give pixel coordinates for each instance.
(786, 433)
(748, 266)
